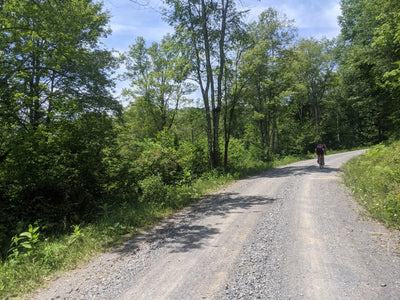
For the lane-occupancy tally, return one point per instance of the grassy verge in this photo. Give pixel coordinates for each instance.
(374, 179)
(35, 260)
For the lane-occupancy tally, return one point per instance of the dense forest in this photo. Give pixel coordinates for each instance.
(69, 149)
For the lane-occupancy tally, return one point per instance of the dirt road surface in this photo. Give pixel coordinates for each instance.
(290, 233)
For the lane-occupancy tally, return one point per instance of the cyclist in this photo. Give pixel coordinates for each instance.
(320, 150)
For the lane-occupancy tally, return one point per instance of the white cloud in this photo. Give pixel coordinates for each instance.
(130, 20)
(121, 28)
(332, 14)
(312, 17)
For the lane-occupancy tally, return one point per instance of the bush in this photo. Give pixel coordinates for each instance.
(55, 176)
(153, 190)
(159, 161)
(194, 157)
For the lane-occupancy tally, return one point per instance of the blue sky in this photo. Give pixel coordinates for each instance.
(313, 18)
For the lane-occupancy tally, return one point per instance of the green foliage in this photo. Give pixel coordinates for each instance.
(190, 125)
(372, 103)
(56, 176)
(55, 113)
(156, 160)
(243, 161)
(157, 76)
(23, 244)
(375, 179)
(153, 190)
(267, 62)
(23, 275)
(194, 157)
(76, 235)
(316, 78)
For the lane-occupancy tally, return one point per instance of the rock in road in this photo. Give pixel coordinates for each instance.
(289, 233)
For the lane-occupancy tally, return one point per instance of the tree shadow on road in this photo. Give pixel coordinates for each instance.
(295, 170)
(182, 232)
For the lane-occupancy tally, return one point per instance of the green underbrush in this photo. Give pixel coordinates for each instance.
(374, 179)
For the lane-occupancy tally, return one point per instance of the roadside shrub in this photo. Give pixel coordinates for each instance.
(239, 158)
(24, 243)
(194, 157)
(159, 161)
(179, 196)
(153, 190)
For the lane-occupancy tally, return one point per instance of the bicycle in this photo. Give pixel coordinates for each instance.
(320, 150)
(321, 160)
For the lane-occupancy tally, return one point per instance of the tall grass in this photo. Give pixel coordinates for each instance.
(374, 179)
(28, 268)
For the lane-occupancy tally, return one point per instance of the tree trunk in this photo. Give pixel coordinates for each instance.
(209, 91)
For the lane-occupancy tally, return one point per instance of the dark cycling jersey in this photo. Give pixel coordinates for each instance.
(320, 149)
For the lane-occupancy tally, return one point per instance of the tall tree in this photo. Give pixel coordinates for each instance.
(157, 76)
(386, 45)
(203, 28)
(366, 97)
(52, 66)
(267, 66)
(234, 87)
(55, 107)
(315, 77)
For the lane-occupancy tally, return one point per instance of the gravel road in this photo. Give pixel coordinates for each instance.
(289, 233)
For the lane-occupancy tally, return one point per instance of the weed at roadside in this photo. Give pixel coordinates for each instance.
(374, 179)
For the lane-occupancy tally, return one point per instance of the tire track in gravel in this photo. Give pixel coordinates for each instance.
(290, 233)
